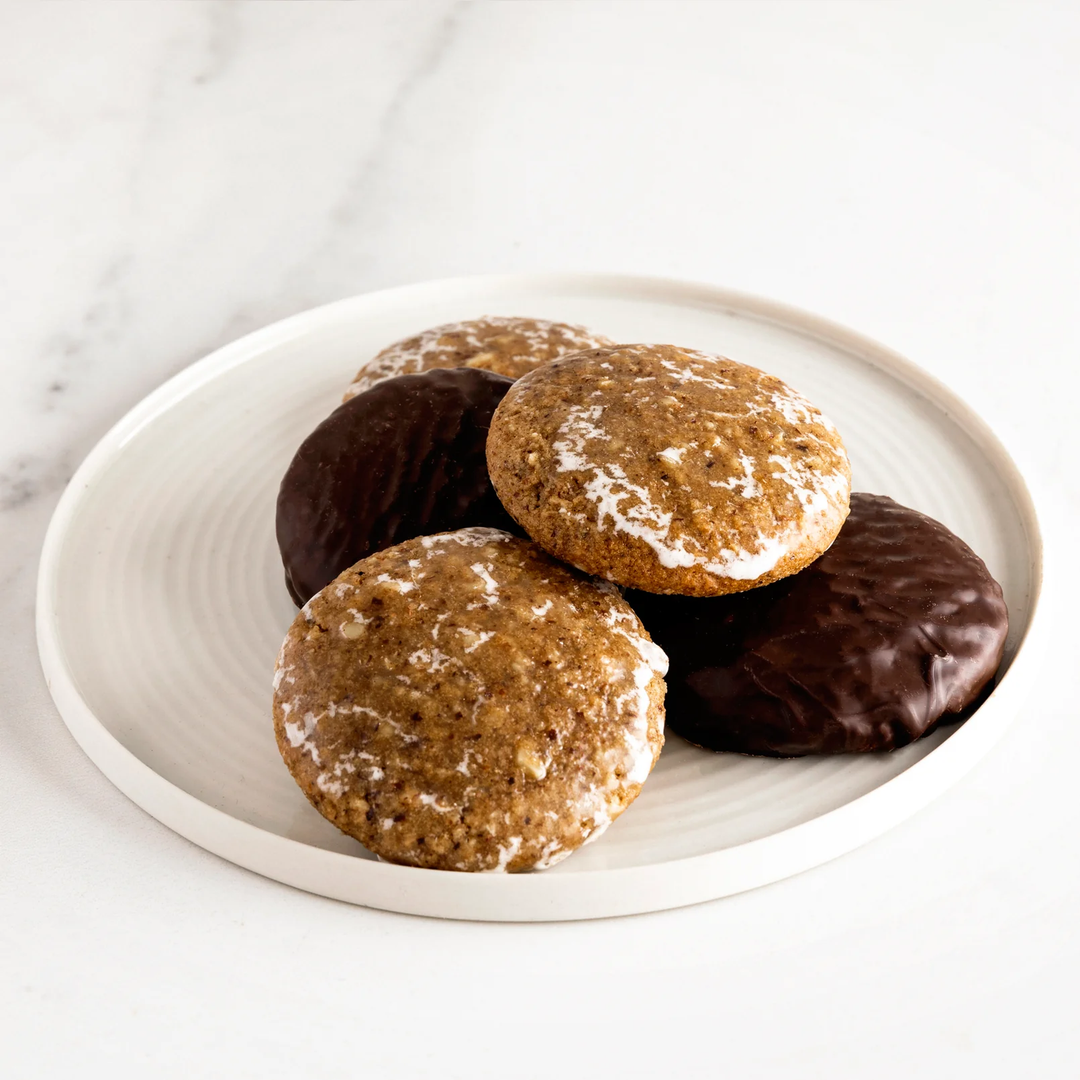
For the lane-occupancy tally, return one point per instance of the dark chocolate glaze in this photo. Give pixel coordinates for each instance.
(403, 459)
(898, 625)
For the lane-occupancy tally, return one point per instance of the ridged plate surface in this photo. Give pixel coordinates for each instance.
(162, 606)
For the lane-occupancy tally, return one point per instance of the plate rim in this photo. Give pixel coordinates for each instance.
(584, 894)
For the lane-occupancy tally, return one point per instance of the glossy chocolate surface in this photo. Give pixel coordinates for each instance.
(897, 626)
(403, 459)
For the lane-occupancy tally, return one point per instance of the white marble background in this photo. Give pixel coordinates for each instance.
(173, 175)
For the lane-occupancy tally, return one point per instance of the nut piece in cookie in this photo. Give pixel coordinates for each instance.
(897, 627)
(404, 459)
(464, 702)
(506, 346)
(669, 470)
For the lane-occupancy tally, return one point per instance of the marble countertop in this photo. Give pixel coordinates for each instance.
(175, 175)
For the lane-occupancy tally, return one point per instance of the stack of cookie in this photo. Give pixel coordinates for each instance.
(495, 574)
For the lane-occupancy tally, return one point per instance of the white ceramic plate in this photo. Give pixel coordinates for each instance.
(161, 604)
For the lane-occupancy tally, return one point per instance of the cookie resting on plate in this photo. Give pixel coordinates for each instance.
(506, 346)
(897, 627)
(669, 470)
(403, 459)
(464, 702)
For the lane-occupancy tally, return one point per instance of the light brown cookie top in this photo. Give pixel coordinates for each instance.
(506, 346)
(464, 702)
(669, 470)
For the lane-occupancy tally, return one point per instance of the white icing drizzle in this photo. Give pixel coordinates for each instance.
(552, 853)
(434, 659)
(476, 536)
(623, 760)
(299, 736)
(395, 583)
(491, 586)
(543, 340)
(751, 489)
(639, 512)
(432, 802)
(635, 703)
(608, 487)
(477, 638)
(506, 853)
(814, 493)
(281, 674)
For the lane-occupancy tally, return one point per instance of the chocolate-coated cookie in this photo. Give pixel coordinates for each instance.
(668, 469)
(508, 346)
(403, 459)
(464, 702)
(897, 626)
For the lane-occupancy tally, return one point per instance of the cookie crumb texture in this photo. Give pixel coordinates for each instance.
(506, 346)
(463, 702)
(897, 626)
(669, 470)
